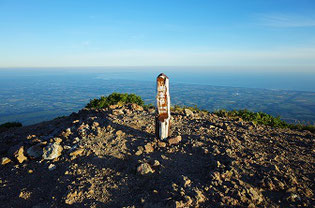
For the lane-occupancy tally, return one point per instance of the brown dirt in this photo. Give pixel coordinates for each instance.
(111, 158)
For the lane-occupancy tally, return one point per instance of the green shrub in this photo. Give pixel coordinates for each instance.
(263, 118)
(11, 124)
(115, 98)
(150, 105)
(182, 107)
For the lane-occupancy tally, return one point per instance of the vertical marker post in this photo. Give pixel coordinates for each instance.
(163, 107)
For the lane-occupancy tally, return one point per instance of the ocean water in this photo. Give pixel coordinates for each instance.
(34, 95)
(277, 80)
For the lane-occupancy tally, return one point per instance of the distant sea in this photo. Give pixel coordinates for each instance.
(31, 95)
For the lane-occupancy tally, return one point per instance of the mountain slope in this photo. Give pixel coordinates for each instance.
(111, 158)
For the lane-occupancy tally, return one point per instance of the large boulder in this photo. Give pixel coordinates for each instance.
(35, 151)
(188, 112)
(52, 151)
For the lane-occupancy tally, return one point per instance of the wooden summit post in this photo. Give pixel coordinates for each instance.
(163, 107)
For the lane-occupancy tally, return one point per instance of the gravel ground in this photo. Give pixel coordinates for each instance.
(111, 158)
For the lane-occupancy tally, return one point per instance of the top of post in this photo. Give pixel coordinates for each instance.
(162, 75)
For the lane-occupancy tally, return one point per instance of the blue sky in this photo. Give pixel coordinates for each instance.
(223, 33)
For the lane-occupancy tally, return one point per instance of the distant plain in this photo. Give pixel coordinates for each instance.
(34, 95)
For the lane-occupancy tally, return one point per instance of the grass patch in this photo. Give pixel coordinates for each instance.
(182, 107)
(115, 99)
(8, 125)
(263, 118)
(147, 106)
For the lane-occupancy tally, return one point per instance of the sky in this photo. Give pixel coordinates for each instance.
(202, 33)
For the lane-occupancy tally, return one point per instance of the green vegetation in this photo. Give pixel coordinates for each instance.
(10, 125)
(182, 107)
(263, 118)
(255, 117)
(115, 99)
(147, 106)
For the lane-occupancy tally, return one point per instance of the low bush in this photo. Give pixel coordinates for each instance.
(11, 124)
(255, 117)
(182, 107)
(114, 99)
(263, 118)
(147, 106)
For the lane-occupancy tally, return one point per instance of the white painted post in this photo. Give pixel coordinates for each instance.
(163, 107)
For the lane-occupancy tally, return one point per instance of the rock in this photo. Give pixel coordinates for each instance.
(151, 110)
(188, 112)
(144, 169)
(139, 151)
(25, 195)
(293, 197)
(77, 152)
(148, 148)
(67, 147)
(136, 107)
(161, 144)
(76, 140)
(72, 197)
(51, 167)
(255, 196)
(156, 163)
(19, 155)
(109, 128)
(279, 184)
(117, 112)
(308, 193)
(57, 140)
(95, 124)
(228, 151)
(199, 196)
(35, 151)
(119, 133)
(113, 106)
(67, 133)
(5, 160)
(127, 111)
(269, 184)
(52, 151)
(186, 181)
(75, 121)
(29, 137)
(226, 126)
(175, 140)
(216, 176)
(83, 127)
(179, 204)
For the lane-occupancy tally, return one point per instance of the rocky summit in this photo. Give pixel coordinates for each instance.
(111, 158)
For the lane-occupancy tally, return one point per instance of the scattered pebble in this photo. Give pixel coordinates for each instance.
(52, 167)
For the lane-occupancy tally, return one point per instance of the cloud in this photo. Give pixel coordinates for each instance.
(286, 20)
(280, 57)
